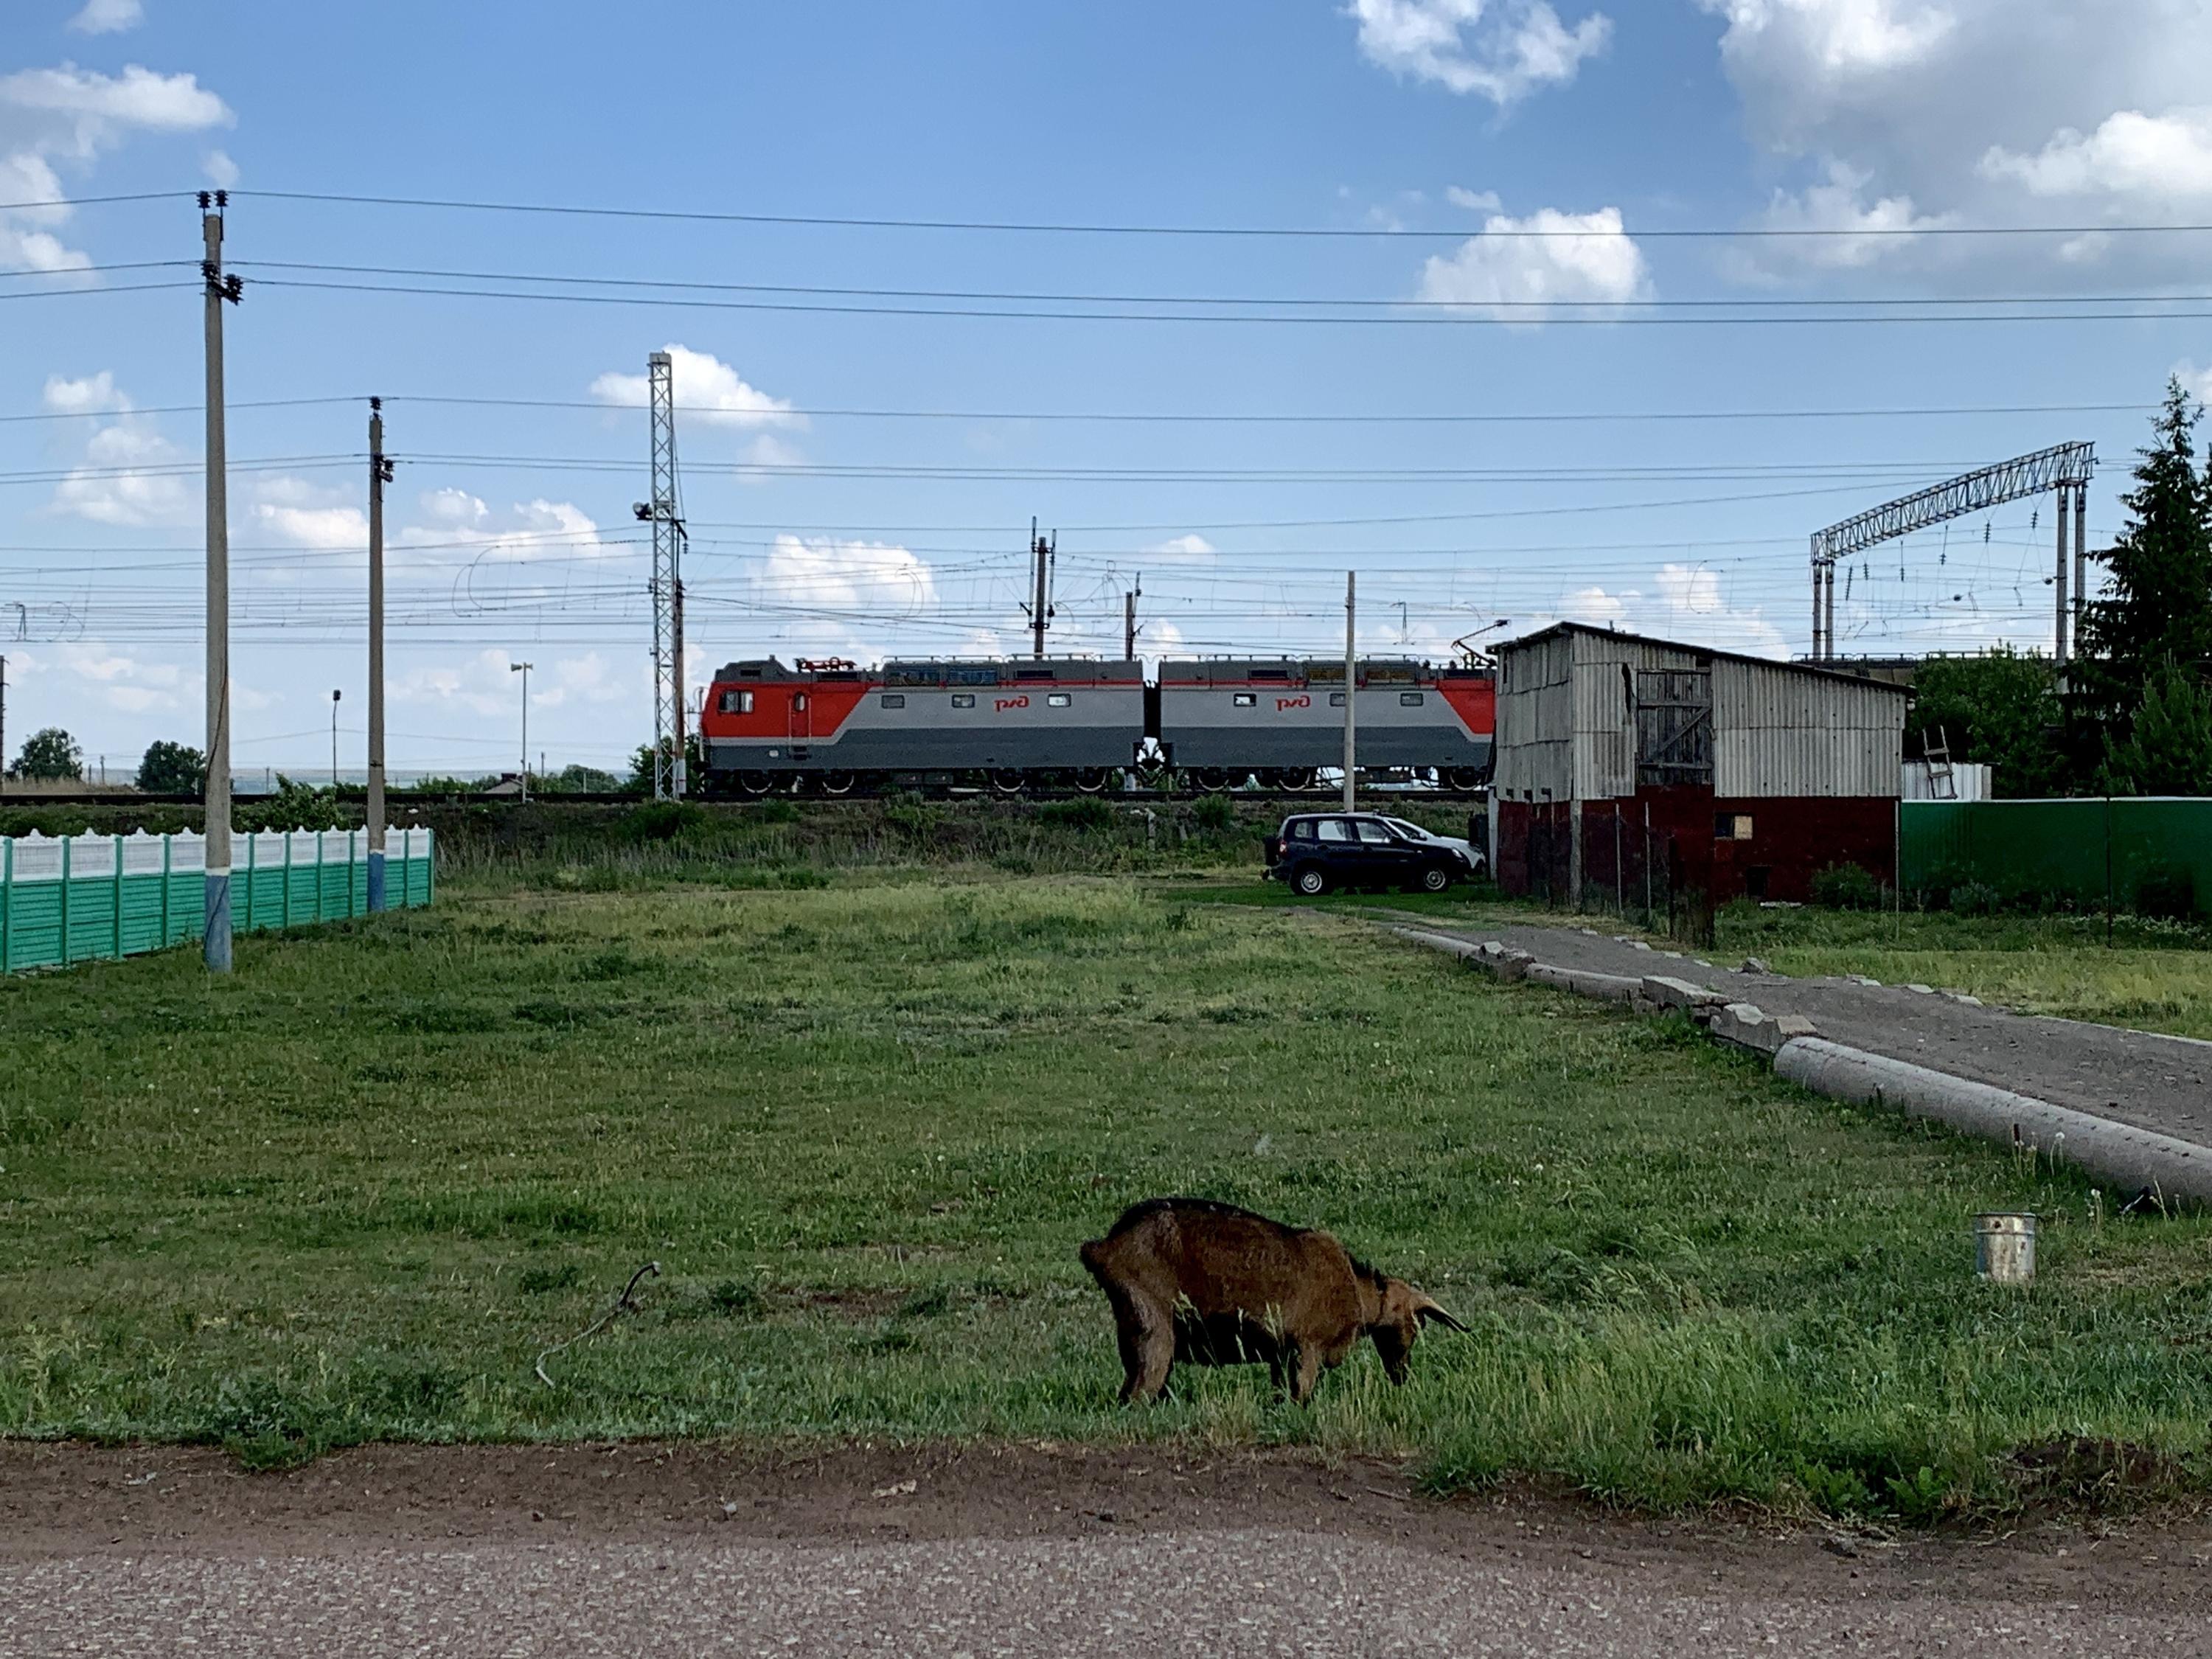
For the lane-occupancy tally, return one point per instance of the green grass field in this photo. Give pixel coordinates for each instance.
(350, 1193)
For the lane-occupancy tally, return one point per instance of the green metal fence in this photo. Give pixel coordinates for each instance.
(2091, 851)
(75, 898)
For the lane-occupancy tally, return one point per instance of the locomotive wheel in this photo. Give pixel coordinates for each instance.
(836, 783)
(1296, 780)
(1212, 779)
(1464, 777)
(1010, 781)
(756, 783)
(1091, 779)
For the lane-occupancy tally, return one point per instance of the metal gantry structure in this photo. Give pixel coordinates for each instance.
(665, 512)
(2067, 469)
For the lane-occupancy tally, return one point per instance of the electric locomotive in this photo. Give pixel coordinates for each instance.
(1017, 723)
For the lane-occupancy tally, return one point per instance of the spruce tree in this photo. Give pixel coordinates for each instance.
(2157, 607)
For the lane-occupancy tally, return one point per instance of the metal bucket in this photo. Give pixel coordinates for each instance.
(2004, 1248)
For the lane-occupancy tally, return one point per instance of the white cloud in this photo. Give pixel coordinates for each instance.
(309, 515)
(448, 507)
(1503, 49)
(118, 483)
(73, 115)
(1984, 111)
(1518, 268)
(108, 16)
(1181, 549)
(586, 679)
(1687, 603)
(483, 685)
(769, 452)
(846, 598)
(707, 388)
(131, 684)
(2197, 382)
(2161, 159)
(95, 394)
(221, 170)
(1475, 201)
(1855, 233)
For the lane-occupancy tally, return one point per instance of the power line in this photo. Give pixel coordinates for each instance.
(112, 288)
(1456, 319)
(1139, 416)
(1073, 227)
(1025, 297)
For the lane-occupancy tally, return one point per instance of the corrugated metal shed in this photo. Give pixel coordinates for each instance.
(1698, 738)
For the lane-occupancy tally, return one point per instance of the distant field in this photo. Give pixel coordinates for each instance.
(351, 1193)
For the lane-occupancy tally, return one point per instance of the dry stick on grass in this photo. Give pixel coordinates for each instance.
(622, 1304)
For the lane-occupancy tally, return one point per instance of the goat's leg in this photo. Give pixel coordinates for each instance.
(1148, 1350)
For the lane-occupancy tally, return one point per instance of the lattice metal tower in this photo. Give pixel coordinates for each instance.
(666, 514)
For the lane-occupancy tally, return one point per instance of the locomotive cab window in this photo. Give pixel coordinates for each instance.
(736, 702)
(1057, 700)
(1246, 700)
(963, 699)
(1410, 699)
(894, 700)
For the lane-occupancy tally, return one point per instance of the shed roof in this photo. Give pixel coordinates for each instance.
(1525, 639)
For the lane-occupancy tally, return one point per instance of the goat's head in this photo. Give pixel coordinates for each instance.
(1400, 1315)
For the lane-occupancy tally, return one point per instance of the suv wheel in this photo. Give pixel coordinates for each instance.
(1309, 879)
(1435, 879)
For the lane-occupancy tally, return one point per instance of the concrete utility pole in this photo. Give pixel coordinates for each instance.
(3, 723)
(1351, 691)
(334, 740)
(523, 669)
(220, 291)
(380, 474)
(1040, 605)
(1129, 619)
(665, 512)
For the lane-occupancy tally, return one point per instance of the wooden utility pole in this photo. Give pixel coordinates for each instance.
(380, 474)
(220, 291)
(1351, 681)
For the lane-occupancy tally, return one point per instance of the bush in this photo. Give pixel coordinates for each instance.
(1085, 812)
(662, 820)
(1214, 814)
(172, 769)
(2169, 894)
(1976, 898)
(1847, 887)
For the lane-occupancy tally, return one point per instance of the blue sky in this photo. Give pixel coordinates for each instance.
(1468, 121)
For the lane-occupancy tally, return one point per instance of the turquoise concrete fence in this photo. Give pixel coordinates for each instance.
(78, 898)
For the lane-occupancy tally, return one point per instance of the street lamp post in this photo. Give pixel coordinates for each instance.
(334, 740)
(523, 669)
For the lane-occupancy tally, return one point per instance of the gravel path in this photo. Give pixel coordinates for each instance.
(643, 1551)
(2140, 1078)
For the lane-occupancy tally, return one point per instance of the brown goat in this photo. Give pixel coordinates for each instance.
(1213, 1284)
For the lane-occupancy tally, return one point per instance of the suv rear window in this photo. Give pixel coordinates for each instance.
(1301, 829)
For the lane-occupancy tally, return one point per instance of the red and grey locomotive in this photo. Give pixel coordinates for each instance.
(1017, 723)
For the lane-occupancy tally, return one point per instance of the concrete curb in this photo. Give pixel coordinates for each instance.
(2131, 1158)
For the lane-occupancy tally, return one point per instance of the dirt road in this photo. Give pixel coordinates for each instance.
(645, 1551)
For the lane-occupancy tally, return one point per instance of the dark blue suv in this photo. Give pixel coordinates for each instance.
(1316, 851)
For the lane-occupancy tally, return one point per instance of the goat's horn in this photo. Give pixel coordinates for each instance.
(1428, 1308)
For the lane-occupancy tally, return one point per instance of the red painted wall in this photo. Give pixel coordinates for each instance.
(1792, 839)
